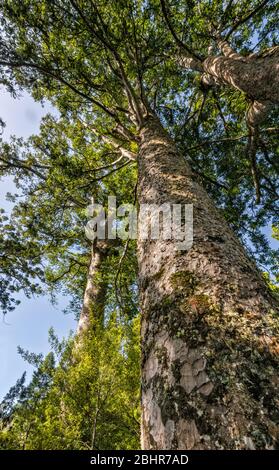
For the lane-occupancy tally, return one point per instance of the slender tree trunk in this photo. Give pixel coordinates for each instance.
(208, 322)
(95, 291)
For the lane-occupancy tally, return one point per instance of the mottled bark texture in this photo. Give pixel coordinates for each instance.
(95, 290)
(256, 75)
(209, 378)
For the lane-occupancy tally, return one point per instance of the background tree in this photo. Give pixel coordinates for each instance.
(99, 382)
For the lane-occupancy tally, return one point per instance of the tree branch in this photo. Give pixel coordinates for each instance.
(106, 175)
(166, 14)
(20, 165)
(245, 18)
(114, 142)
(251, 151)
(53, 74)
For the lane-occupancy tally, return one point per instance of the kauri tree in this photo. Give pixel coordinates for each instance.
(127, 70)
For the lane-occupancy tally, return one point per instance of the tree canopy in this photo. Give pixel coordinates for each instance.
(206, 70)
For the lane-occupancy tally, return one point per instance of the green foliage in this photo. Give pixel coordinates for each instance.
(20, 265)
(103, 65)
(88, 400)
(56, 174)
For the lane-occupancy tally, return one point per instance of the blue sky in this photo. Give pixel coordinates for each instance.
(28, 325)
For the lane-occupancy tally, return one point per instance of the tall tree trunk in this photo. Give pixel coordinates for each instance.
(95, 290)
(208, 323)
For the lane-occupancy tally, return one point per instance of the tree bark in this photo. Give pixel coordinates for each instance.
(95, 291)
(208, 322)
(256, 76)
